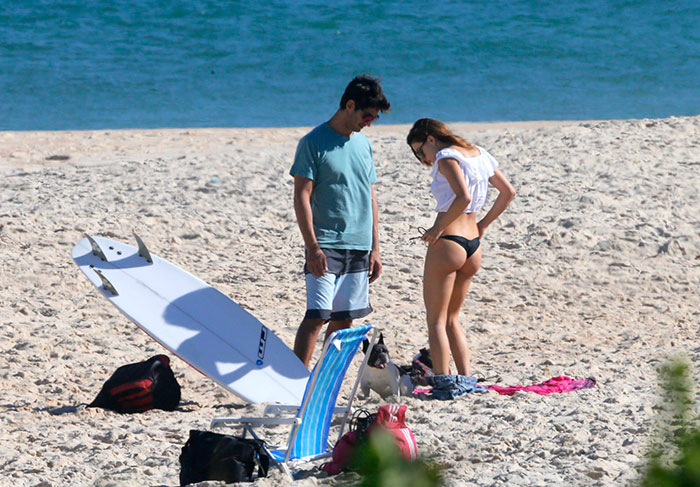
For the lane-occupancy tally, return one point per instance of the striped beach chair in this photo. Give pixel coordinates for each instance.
(310, 422)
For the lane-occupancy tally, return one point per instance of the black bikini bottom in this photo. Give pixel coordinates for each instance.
(470, 246)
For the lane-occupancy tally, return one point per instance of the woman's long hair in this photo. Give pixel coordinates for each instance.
(429, 126)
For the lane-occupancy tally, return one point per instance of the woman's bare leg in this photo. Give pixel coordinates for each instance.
(442, 261)
(459, 345)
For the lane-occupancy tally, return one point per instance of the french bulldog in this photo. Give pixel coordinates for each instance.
(382, 375)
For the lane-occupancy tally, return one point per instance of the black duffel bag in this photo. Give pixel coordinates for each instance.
(211, 456)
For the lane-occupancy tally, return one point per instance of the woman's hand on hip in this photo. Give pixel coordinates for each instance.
(431, 235)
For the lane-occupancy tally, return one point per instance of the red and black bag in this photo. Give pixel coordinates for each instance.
(138, 387)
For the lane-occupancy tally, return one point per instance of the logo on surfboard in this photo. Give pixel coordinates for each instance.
(261, 345)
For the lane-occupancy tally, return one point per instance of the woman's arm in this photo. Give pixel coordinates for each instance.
(506, 193)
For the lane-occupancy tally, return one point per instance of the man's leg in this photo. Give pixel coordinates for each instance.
(319, 300)
(335, 325)
(305, 341)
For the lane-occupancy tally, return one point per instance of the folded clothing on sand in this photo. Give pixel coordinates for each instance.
(446, 387)
(555, 384)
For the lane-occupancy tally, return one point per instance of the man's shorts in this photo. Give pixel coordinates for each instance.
(343, 293)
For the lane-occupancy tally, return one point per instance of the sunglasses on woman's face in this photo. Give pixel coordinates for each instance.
(368, 117)
(419, 153)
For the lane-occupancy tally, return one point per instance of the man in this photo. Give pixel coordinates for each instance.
(336, 210)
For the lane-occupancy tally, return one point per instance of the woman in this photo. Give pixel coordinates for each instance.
(461, 175)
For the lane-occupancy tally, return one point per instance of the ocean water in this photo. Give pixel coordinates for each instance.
(76, 64)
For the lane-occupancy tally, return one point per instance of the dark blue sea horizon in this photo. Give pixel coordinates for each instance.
(71, 65)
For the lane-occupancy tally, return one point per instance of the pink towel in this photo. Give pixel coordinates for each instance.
(555, 384)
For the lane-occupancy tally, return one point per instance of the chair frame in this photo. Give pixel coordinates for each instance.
(248, 423)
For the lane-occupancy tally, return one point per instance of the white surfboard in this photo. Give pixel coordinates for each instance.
(194, 321)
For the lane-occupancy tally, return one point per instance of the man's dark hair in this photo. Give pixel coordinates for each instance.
(366, 92)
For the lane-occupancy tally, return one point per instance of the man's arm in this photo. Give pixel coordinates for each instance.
(375, 264)
(315, 259)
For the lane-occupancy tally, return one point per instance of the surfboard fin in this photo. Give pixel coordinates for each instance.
(143, 251)
(105, 283)
(96, 250)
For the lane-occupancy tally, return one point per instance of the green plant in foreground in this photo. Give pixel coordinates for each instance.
(676, 461)
(379, 463)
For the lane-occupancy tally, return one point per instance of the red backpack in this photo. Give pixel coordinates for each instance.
(138, 387)
(390, 418)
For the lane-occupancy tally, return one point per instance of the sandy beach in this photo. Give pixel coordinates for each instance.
(593, 271)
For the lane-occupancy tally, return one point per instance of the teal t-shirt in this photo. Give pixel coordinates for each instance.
(341, 200)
